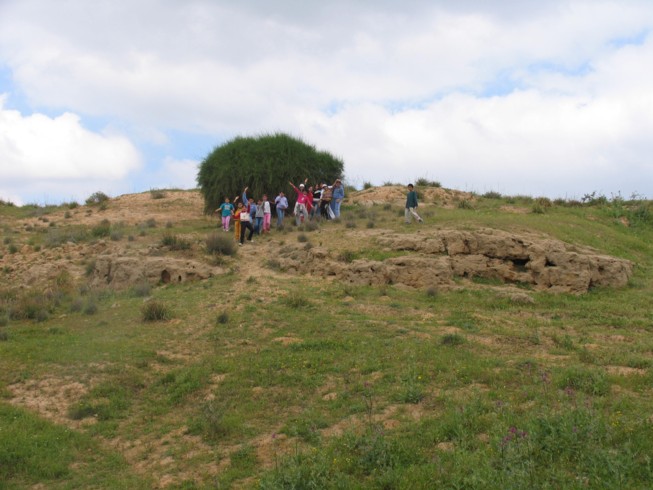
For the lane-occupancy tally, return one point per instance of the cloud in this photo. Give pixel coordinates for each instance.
(526, 142)
(177, 174)
(543, 97)
(38, 150)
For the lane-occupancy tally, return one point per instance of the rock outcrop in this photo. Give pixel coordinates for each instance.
(434, 259)
(122, 272)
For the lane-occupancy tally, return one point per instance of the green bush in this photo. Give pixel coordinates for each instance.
(492, 195)
(266, 164)
(97, 198)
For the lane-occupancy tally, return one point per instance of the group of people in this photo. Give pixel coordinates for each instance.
(312, 202)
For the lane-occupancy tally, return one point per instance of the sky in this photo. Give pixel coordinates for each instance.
(526, 97)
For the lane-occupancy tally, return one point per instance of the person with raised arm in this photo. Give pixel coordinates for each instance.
(301, 207)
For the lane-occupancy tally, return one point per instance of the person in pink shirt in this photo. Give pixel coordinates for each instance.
(301, 207)
(267, 214)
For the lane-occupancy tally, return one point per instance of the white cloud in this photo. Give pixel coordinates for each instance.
(38, 150)
(177, 174)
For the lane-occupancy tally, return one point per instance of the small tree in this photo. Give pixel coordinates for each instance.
(265, 164)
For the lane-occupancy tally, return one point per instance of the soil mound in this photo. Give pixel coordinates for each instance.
(396, 195)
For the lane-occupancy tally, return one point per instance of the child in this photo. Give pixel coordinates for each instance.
(245, 224)
(267, 214)
(239, 209)
(301, 210)
(411, 205)
(227, 210)
(259, 215)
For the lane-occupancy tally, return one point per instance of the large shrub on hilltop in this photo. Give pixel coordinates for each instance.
(265, 164)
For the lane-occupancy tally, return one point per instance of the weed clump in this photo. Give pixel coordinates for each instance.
(157, 194)
(173, 242)
(465, 204)
(101, 230)
(141, 290)
(32, 306)
(347, 256)
(91, 307)
(492, 195)
(273, 264)
(424, 182)
(222, 318)
(589, 381)
(452, 339)
(218, 244)
(155, 311)
(296, 300)
(311, 226)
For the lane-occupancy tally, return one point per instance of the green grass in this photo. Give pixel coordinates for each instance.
(36, 452)
(290, 381)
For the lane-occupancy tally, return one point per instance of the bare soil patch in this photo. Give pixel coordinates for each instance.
(51, 398)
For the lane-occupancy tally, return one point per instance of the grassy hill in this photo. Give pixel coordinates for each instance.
(259, 377)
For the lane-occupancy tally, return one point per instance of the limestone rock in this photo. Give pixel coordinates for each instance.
(122, 272)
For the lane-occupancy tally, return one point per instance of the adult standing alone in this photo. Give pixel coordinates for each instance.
(338, 195)
(411, 205)
(281, 204)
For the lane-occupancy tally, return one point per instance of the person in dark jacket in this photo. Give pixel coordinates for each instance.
(411, 205)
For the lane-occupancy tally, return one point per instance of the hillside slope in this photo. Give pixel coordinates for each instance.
(505, 340)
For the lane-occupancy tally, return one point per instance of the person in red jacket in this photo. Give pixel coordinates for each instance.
(301, 206)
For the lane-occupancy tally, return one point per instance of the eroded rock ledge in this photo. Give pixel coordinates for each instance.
(122, 272)
(439, 257)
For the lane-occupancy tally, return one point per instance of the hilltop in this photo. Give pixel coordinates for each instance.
(429, 257)
(503, 333)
